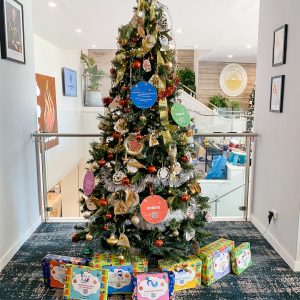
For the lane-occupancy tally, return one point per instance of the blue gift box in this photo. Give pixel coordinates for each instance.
(54, 268)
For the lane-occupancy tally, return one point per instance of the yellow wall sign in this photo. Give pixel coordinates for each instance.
(233, 80)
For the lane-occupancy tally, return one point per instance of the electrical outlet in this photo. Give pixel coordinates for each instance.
(275, 214)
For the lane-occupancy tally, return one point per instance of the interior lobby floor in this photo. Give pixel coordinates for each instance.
(268, 278)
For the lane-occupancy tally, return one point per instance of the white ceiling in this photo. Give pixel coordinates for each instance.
(221, 26)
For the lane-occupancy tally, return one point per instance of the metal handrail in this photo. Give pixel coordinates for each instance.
(215, 107)
(216, 134)
(40, 143)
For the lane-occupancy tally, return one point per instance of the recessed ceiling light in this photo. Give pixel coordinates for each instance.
(51, 4)
(230, 56)
(249, 46)
(179, 30)
(196, 46)
(94, 46)
(78, 30)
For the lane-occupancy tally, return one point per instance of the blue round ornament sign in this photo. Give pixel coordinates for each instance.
(143, 95)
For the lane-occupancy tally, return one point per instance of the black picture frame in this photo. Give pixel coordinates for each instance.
(277, 93)
(12, 35)
(69, 81)
(280, 46)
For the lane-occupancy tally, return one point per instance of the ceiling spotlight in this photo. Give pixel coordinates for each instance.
(230, 56)
(78, 30)
(94, 46)
(249, 46)
(51, 4)
(196, 46)
(179, 30)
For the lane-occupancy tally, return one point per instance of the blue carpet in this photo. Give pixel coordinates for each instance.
(268, 278)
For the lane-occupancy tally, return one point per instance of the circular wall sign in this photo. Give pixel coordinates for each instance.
(143, 95)
(88, 183)
(154, 209)
(233, 80)
(181, 115)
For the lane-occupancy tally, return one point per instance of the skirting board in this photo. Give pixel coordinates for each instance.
(67, 220)
(293, 264)
(17, 245)
(228, 219)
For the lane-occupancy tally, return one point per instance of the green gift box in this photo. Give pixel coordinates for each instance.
(215, 260)
(241, 258)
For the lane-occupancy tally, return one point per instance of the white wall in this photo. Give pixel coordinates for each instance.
(19, 211)
(277, 183)
(49, 61)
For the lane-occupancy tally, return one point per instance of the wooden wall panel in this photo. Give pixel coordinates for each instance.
(209, 81)
(185, 58)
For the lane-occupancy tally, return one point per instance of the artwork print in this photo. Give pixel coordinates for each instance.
(12, 31)
(46, 108)
(277, 92)
(69, 82)
(280, 45)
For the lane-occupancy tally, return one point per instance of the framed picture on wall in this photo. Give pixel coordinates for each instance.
(46, 107)
(280, 45)
(277, 93)
(69, 82)
(12, 31)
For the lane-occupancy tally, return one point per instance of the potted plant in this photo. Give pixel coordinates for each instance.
(218, 101)
(92, 78)
(187, 78)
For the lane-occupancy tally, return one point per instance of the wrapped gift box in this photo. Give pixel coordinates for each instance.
(84, 282)
(119, 271)
(187, 272)
(54, 269)
(154, 286)
(241, 258)
(215, 260)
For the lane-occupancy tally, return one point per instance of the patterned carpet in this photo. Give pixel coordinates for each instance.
(268, 278)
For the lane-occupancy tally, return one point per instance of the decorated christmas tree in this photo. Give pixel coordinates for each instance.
(141, 194)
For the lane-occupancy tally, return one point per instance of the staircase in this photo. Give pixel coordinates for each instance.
(207, 121)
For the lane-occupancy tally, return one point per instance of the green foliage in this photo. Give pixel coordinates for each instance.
(91, 69)
(218, 101)
(187, 78)
(235, 104)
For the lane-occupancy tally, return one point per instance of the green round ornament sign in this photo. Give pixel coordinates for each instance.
(181, 115)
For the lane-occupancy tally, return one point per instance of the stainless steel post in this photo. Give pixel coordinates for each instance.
(44, 177)
(247, 177)
(39, 182)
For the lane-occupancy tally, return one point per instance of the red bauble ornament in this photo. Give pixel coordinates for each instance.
(185, 198)
(136, 64)
(107, 100)
(151, 169)
(105, 227)
(113, 71)
(75, 238)
(127, 109)
(124, 88)
(139, 137)
(126, 181)
(184, 159)
(135, 39)
(108, 216)
(103, 202)
(110, 156)
(123, 102)
(116, 136)
(102, 162)
(158, 243)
